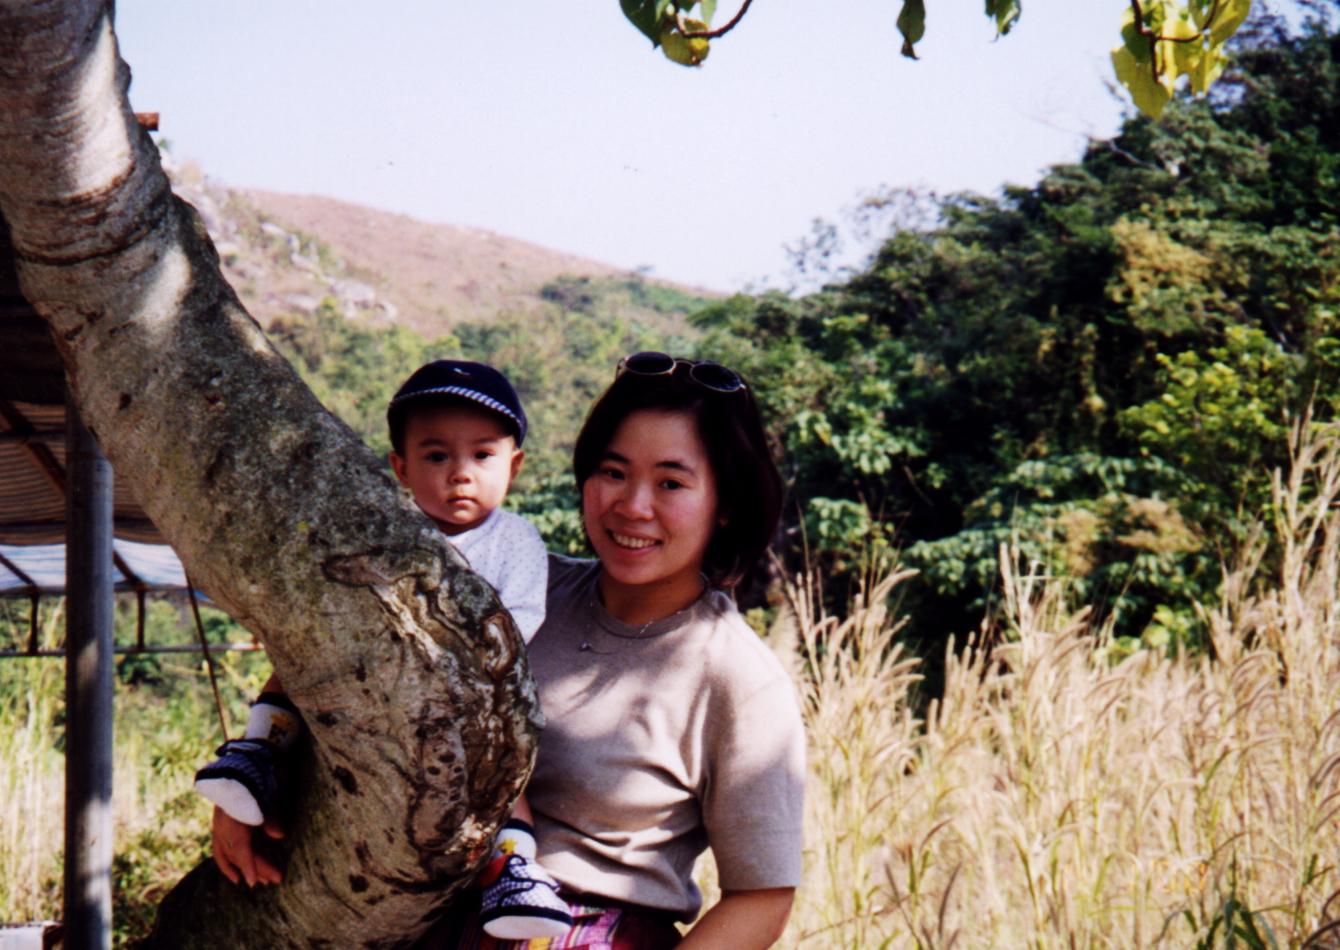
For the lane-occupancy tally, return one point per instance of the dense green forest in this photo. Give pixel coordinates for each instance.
(1101, 367)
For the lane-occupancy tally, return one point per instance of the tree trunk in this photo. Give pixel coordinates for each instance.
(410, 674)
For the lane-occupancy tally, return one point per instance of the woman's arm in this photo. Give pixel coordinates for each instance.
(743, 920)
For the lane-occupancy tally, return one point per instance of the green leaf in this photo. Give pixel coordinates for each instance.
(709, 10)
(678, 48)
(912, 24)
(646, 15)
(1230, 16)
(1186, 56)
(1006, 13)
(1149, 94)
(1200, 12)
(1180, 28)
(1209, 68)
(1131, 36)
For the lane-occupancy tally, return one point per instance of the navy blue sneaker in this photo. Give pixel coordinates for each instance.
(241, 780)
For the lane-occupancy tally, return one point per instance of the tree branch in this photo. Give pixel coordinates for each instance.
(713, 34)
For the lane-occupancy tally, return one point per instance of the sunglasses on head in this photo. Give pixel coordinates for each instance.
(706, 373)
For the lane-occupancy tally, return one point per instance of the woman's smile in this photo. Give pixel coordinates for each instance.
(632, 543)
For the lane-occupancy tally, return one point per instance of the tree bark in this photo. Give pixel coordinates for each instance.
(411, 676)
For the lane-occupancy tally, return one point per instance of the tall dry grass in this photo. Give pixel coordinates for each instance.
(32, 785)
(164, 726)
(1052, 797)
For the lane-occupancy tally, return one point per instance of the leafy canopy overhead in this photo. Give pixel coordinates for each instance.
(1161, 40)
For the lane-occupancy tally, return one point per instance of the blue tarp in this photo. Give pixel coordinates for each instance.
(155, 564)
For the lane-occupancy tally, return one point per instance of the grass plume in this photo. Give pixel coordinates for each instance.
(1056, 797)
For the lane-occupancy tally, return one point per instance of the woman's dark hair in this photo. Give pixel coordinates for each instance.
(749, 487)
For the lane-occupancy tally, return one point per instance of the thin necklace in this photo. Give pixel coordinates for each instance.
(586, 647)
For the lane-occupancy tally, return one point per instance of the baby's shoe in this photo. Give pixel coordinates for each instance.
(241, 780)
(521, 901)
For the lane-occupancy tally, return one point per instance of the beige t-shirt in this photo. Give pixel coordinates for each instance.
(661, 741)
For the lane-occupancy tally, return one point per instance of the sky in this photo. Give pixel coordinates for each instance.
(559, 124)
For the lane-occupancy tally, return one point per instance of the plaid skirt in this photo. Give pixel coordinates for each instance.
(607, 927)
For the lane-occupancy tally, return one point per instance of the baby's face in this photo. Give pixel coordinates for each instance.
(459, 462)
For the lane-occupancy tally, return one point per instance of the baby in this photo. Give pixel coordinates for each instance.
(456, 432)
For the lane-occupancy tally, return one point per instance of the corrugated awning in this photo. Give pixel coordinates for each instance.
(32, 480)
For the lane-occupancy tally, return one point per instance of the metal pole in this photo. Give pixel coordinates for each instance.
(88, 692)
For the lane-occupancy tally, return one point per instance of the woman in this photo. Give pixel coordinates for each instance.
(671, 726)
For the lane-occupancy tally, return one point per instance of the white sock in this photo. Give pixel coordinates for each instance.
(274, 719)
(516, 837)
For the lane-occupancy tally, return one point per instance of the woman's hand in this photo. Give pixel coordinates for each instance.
(743, 920)
(235, 854)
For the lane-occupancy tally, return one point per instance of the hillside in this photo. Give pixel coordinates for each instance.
(286, 254)
(436, 275)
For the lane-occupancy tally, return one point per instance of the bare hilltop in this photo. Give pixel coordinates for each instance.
(288, 254)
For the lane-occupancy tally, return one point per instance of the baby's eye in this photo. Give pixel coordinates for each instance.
(483, 454)
(436, 456)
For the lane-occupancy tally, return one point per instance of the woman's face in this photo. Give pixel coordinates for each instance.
(650, 508)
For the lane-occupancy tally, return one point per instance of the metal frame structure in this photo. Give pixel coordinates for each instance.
(56, 485)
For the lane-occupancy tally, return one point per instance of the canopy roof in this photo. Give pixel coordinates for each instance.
(40, 569)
